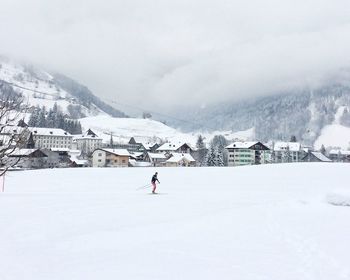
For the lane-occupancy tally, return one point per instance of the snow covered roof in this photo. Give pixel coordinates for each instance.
(89, 134)
(241, 145)
(118, 152)
(44, 131)
(336, 152)
(12, 130)
(282, 146)
(176, 157)
(172, 146)
(23, 152)
(156, 156)
(321, 157)
(135, 163)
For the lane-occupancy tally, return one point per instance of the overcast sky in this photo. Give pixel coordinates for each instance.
(159, 53)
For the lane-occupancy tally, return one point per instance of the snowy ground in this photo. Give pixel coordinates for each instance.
(260, 222)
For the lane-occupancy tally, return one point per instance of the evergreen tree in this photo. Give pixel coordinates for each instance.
(42, 118)
(219, 143)
(211, 157)
(34, 117)
(293, 139)
(202, 151)
(323, 150)
(219, 158)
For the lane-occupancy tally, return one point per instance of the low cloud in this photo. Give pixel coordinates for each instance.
(164, 53)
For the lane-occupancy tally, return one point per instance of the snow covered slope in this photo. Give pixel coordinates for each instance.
(40, 88)
(123, 129)
(258, 222)
(334, 135)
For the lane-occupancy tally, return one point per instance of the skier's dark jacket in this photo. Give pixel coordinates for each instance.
(154, 178)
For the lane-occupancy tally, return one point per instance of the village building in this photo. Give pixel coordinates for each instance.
(180, 160)
(87, 142)
(155, 159)
(246, 153)
(150, 144)
(339, 155)
(315, 157)
(110, 158)
(287, 152)
(28, 158)
(51, 138)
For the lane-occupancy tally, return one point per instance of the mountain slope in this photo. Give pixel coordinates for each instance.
(301, 113)
(42, 88)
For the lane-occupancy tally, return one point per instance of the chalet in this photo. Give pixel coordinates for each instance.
(145, 143)
(180, 159)
(156, 159)
(110, 158)
(179, 147)
(287, 152)
(246, 153)
(28, 158)
(87, 142)
(315, 157)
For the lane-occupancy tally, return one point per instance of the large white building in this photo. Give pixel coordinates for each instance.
(246, 153)
(51, 137)
(87, 142)
(287, 152)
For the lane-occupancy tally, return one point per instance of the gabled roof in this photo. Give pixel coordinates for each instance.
(89, 134)
(246, 145)
(118, 152)
(241, 145)
(177, 157)
(321, 156)
(44, 131)
(26, 152)
(173, 146)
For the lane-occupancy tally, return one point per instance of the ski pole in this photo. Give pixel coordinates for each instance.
(144, 187)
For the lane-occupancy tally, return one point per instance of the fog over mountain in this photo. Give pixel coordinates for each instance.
(161, 54)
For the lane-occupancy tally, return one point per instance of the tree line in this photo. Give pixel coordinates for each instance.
(53, 118)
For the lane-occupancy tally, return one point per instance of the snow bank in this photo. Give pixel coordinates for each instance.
(339, 198)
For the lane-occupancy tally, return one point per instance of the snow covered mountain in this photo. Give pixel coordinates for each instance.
(42, 88)
(318, 116)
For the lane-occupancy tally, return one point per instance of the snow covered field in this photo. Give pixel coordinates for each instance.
(258, 222)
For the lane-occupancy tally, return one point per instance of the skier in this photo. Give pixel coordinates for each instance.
(153, 182)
